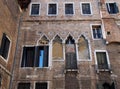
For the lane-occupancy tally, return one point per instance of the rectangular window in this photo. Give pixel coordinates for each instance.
(52, 9)
(23, 86)
(69, 9)
(41, 86)
(35, 9)
(112, 8)
(86, 8)
(102, 60)
(97, 32)
(5, 44)
(35, 56)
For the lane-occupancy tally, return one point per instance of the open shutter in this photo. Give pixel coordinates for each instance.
(116, 7)
(23, 64)
(37, 54)
(45, 61)
(108, 7)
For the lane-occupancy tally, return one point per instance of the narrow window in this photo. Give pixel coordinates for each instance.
(97, 32)
(23, 86)
(40, 85)
(70, 51)
(86, 8)
(112, 8)
(69, 9)
(5, 44)
(35, 9)
(42, 56)
(52, 9)
(102, 60)
(28, 57)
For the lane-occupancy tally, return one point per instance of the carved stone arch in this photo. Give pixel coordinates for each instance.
(43, 40)
(83, 48)
(57, 48)
(69, 35)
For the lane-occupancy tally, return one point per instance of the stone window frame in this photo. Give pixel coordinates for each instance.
(90, 8)
(73, 8)
(31, 8)
(103, 35)
(108, 61)
(6, 60)
(108, 2)
(48, 9)
(48, 83)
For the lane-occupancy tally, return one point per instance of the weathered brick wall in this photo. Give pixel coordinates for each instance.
(8, 25)
(34, 27)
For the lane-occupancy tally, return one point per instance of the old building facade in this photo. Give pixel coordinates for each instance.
(68, 44)
(9, 11)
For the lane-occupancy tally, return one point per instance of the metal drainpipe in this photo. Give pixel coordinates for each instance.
(14, 61)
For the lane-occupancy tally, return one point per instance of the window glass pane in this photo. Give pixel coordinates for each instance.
(41, 86)
(23, 86)
(86, 8)
(102, 60)
(35, 9)
(52, 9)
(68, 8)
(97, 32)
(4, 46)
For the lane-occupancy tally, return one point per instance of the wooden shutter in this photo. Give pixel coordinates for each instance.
(45, 61)
(37, 54)
(108, 7)
(28, 57)
(116, 7)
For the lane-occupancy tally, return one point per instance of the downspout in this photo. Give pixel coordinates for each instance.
(16, 49)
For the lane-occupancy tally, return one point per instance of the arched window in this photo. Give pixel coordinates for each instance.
(57, 50)
(70, 52)
(83, 48)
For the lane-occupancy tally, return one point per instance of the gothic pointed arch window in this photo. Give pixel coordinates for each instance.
(57, 50)
(70, 53)
(83, 48)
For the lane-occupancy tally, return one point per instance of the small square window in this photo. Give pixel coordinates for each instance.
(102, 60)
(5, 44)
(40, 85)
(23, 86)
(35, 9)
(69, 9)
(97, 32)
(86, 8)
(112, 8)
(52, 9)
